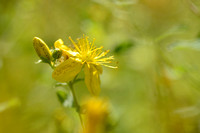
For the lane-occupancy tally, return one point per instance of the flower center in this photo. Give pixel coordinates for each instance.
(86, 57)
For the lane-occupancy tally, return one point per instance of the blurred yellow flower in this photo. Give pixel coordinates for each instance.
(82, 54)
(97, 111)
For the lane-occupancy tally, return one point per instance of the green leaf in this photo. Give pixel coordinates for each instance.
(176, 30)
(14, 102)
(65, 98)
(186, 44)
(123, 47)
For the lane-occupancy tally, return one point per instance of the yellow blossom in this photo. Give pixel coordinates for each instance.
(82, 54)
(97, 111)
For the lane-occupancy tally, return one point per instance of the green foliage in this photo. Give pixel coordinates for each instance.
(65, 98)
(123, 47)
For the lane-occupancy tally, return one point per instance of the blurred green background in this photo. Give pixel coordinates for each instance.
(156, 88)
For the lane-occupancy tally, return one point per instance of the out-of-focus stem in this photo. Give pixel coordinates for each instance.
(70, 84)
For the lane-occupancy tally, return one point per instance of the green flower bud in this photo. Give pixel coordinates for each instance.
(57, 53)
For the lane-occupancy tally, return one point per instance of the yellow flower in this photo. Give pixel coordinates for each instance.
(82, 54)
(97, 111)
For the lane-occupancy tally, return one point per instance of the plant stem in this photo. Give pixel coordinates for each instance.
(51, 65)
(70, 84)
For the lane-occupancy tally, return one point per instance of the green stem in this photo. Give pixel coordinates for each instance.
(70, 84)
(51, 65)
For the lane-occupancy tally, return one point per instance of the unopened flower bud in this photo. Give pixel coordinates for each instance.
(57, 53)
(42, 50)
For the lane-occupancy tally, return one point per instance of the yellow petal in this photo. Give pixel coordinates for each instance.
(67, 70)
(92, 79)
(42, 49)
(60, 45)
(66, 50)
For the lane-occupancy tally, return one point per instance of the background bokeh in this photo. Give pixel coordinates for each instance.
(156, 88)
